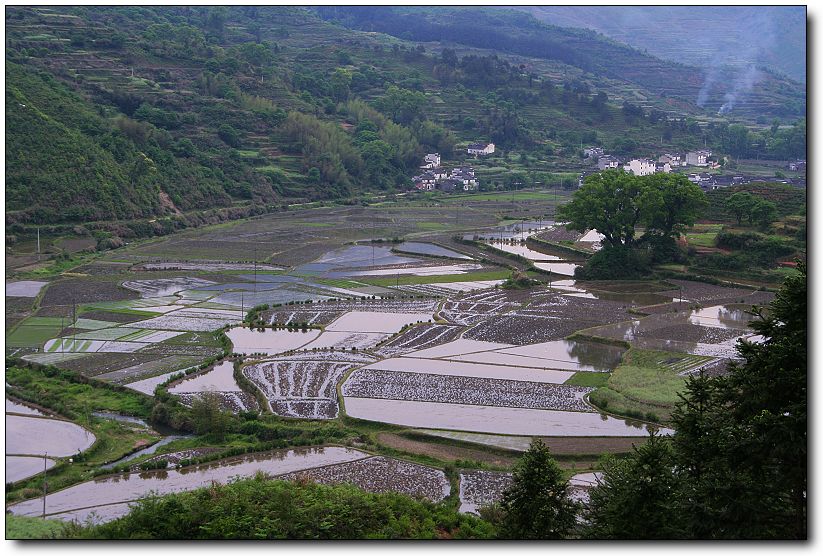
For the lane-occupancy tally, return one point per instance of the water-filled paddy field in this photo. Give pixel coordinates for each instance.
(424, 338)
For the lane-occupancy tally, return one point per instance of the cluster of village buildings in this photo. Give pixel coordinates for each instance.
(666, 162)
(461, 178)
(646, 166)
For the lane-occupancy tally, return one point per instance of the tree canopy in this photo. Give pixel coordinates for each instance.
(615, 203)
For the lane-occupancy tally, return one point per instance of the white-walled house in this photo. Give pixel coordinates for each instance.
(480, 149)
(431, 161)
(698, 158)
(663, 167)
(640, 167)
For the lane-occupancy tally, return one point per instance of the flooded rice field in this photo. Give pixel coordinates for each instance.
(23, 467)
(220, 379)
(249, 341)
(566, 269)
(430, 249)
(422, 387)
(382, 474)
(523, 251)
(496, 420)
(357, 321)
(38, 435)
(24, 288)
(129, 487)
(482, 488)
(478, 370)
(299, 388)
(21, 409)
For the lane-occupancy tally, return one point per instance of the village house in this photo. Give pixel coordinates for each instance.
(662, 167)
(431, 161)
(608, 161)
(480, 149)
(592, 152)
(440, 173)
(698, 158)
(797, 166)
(640, 167)
(448, 186)
(674, 160)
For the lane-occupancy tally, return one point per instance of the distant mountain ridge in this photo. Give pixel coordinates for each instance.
(510, 30)
(772, 36)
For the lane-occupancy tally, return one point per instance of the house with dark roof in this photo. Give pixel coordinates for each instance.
(480, 149)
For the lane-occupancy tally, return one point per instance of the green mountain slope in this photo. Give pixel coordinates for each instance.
(520, 33)
(137, 112)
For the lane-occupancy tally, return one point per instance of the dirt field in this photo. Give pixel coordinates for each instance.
(444, 452)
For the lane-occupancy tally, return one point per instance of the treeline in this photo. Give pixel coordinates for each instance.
(258, 508)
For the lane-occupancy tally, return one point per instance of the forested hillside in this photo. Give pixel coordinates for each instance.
(519, 33)
(138, 112)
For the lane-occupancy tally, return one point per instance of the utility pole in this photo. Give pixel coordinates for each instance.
(44, 483)
(255, 269)
(38, 244)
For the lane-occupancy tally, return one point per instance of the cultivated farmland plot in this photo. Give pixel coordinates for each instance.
(382, 474)
(470, 390)
(166, 286)
(24, 288)
(109, 498)
(299, 388)
(482, 488)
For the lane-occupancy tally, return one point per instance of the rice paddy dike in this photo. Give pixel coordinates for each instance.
(385, 343)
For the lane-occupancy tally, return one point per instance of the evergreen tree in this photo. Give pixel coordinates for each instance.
(537, 505)
(740, 445)
(635, 499)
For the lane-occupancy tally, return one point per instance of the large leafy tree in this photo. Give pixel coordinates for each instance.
(609, 202)
(537, 505)
(615, 203)
(669, 203)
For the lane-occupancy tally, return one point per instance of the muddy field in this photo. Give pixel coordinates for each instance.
(444, 452)
(84, 290)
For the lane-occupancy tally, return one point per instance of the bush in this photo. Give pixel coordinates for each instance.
(615, 263)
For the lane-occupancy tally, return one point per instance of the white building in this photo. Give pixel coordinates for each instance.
(698, 158)
(481, 149)
(663, 167)
(640, 167)
(431, 161)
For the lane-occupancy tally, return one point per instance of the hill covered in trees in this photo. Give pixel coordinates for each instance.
(140, 112)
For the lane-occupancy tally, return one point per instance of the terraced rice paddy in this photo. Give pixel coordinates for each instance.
(269, 341)
(109, 498)
(382, 474)
(496, 420)
(488, 392)
(24, 288)
(429, 249)
(482, 488)
(299, 388)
